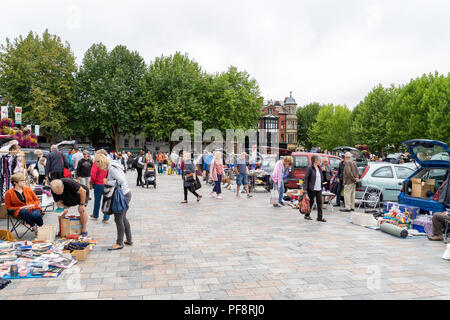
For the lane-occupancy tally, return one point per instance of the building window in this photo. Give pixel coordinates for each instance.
(282, 125)
(292, 139)
(282, 138)
(136, 142)
(126, 143)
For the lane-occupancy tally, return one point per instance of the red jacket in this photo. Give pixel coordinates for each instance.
(13, 203)
(97, 175)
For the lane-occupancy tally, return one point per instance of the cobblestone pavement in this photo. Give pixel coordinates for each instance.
(241, 249)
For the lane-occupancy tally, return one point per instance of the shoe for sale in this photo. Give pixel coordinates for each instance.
(435, 238)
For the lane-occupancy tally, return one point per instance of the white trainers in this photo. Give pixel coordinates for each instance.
(213, 195)
(219, 198)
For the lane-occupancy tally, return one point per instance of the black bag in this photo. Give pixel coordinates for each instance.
(108, 198)
(197, 185)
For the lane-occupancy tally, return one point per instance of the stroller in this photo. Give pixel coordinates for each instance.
(149, 176)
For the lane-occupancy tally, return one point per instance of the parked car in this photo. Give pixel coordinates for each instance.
(387, 176)
(434, 159)
(358, 157)
(301, 161)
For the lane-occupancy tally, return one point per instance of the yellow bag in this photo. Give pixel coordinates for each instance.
(6, 235)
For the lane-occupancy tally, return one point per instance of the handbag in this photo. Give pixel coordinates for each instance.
(108, 198)
(305, 205)
(274, 193)
(119, 203)
(66, 172)
(197, 185)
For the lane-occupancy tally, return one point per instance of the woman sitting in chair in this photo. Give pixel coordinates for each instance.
(24, 202)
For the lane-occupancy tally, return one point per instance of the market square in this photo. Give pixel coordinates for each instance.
(242, 249)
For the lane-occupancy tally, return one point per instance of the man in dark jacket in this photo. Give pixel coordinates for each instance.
(56, 162)
(340, 181)
(312, 184)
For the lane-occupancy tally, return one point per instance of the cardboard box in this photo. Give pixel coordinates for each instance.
(80, 255)
(69, 226)
(3, 211)
(47, 232)
(420, 188)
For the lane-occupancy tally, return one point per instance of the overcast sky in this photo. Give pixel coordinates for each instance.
(326, 51)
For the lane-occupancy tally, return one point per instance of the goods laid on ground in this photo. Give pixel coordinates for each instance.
(41, 259)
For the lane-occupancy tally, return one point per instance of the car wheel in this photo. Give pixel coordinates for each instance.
(372, 200)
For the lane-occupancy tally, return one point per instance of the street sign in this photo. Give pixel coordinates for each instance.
(36, 129)
(18, 118)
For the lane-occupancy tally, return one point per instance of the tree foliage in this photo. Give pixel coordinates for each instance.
(37, 73)
(332, 128)
(110, 91)
(306, 117)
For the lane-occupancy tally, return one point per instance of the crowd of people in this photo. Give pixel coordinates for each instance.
(73, 177)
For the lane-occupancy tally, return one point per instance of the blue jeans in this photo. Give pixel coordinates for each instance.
(217, 185)
(32, 218)
(98, 194)
(281, 190)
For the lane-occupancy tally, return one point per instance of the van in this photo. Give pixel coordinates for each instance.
(301, 161)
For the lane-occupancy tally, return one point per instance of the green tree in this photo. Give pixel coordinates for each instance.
(176, 87)
(332, 128)
(37, 73)
(110, 92)
(407, 115)
(369, 118)
(307, 116)
(436, 100)
(233, 102)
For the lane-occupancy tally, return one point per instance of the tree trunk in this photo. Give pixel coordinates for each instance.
(116, 138)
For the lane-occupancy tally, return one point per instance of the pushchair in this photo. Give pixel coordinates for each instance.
(149, 176)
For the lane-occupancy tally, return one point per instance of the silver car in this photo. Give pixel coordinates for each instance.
(387, 176)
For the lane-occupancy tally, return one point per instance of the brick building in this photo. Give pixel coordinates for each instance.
(280, 119)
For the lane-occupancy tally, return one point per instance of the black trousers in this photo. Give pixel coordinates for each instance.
(317, 195)
(139, 177)
(191, 190)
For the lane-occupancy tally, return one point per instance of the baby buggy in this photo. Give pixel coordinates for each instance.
(150, 176)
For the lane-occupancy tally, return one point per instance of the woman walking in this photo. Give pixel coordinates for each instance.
(116, 175)
(97, 183)
(277, 176)
(189, 178)
(312, 183)
(217, 173)
(140, 167)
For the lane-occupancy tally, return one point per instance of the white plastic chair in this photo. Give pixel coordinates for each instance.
(371, 197)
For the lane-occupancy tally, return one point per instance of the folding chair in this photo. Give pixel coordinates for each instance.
(17, 222)
(371, 197)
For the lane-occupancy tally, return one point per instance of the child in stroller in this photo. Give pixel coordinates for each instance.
(149, 175)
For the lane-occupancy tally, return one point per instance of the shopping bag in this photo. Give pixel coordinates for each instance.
(305, 205)
(119, 203)
(108, 195)
(274, 193)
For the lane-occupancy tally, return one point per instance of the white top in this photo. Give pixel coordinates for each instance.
(318, 183)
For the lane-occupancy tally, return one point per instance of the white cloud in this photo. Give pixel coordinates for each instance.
(326, 51)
